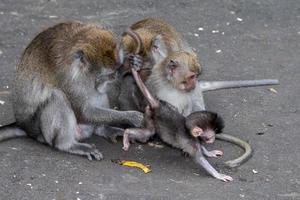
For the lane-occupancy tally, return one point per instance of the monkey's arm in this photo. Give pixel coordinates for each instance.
(217, 85)
(104, 116)
(195, 152)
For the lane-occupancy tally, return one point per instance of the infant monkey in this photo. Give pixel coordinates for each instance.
(203, 125)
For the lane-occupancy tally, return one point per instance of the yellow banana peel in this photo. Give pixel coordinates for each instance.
(130, 163)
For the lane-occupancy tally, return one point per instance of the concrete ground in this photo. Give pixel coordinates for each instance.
(235, 40)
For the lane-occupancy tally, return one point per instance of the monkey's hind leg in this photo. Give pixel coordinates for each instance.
(139, 134)
(60, 129)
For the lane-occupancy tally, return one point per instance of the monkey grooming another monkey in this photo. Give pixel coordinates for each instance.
(56, 90)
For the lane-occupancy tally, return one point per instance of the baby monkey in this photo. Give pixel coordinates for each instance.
(203, 125)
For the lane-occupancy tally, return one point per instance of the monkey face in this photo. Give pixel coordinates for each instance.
(182, 70)
(207, 135)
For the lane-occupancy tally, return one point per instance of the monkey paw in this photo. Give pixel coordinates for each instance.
(94, 153)
(125, 147)
(135, 118)
(214, 153)
(135, 61)
(224, 178)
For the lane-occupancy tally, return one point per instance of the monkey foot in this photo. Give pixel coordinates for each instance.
(96, 154)
(125, 147)
(225, 178)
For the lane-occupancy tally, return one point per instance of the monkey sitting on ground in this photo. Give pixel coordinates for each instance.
(56, 94)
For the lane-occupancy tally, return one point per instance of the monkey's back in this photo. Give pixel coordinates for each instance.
(51, 52)
(170, 125)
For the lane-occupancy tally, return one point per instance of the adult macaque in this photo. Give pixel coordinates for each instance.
(59, 91)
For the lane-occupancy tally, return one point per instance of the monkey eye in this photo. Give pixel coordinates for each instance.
(193, 76)
(184, 82)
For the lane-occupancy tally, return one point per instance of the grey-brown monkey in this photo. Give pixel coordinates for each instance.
(59, 96)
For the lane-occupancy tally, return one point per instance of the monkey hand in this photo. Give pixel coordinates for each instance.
(135, 118)
(224, 178)
(135, 61)
(214, 153)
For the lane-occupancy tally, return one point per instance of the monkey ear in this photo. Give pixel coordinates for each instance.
(170, 68)
(158, 49)
(197, 131)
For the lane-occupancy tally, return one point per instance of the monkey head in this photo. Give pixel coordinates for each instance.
(96, 50)
(181, 69)
(204, 125)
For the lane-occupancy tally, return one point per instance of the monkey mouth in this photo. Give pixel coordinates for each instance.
(210, 140)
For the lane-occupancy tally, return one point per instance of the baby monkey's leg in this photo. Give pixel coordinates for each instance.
(140, 134)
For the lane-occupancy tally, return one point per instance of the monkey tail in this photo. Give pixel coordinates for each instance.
(11, 131)
(247, 148)
(137, 40)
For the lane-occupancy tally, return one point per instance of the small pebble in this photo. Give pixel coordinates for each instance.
(53, 17)
(1, 52)
(254, 171)
(14, 13)
(201, 29)
(56, 181)
(228, 23)
(196, 34)
(219, 51)
(78, 198)
(2, 102)
(215, 31)
(77, 192)
(242, 195)
(239, 19)
(80, 183)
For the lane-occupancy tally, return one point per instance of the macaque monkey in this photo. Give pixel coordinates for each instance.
(60, 88)
(159, 39)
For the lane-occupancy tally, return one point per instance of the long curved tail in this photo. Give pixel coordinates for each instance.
(11, 131)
